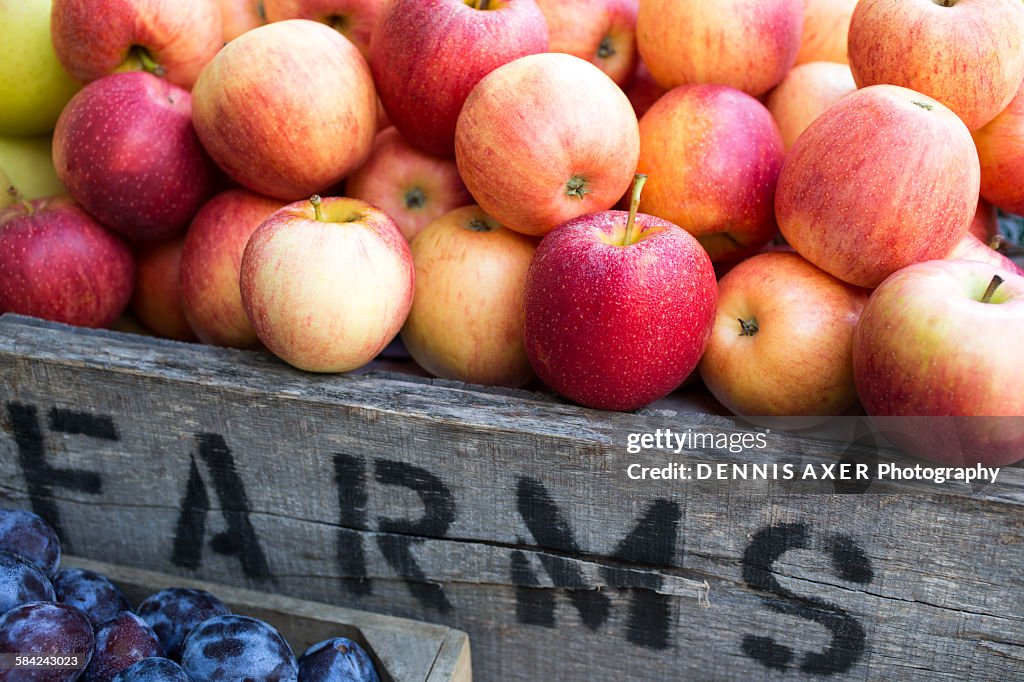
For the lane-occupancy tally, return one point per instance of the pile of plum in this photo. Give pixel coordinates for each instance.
(174, 635)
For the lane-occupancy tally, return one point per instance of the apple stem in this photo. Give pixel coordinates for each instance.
(13, 192)
(639, 180)
(317, 213)
(992, 286)
(148, 63)
(482, 4)
(749, 327)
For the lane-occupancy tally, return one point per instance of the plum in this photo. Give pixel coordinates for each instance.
(337, 660)
(236, 648)
(121, 642)
(45, 629)
(21, 582)
(27, 535)
(153, 670)
(172, 613)
(91, 592)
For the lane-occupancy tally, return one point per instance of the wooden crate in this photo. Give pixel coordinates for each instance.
(401, 649)
(504, 514)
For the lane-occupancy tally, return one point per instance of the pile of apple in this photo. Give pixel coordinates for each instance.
(317, 176)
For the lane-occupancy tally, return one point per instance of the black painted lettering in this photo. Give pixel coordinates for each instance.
(848, 636)
(350, 478)
(40, 476)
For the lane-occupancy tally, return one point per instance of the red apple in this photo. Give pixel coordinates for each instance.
(933, 342)
(287, 109)
(174, 40)
(643, 91)
(746, 44)
(826, 25)
(239, 16)
(602, 32)
(411, 186)
(126, 150)
(544, 139)
(354, 19)
(210, 264)
(885, 178)
(59, 264)
(968, 54)
(427, 55)
(972, 248)
(327, 287)
(782, 343)
(808, 91)
(985, 225)
(466, 321)
(618, 308)
(156, 302)
(1001, 151)
(713, 155)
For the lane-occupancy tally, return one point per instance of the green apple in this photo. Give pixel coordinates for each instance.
(28, 164)
(33, 85)
(6, 198)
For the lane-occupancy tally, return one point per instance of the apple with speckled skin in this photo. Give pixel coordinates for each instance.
(826, 25)
(410, 185)
(967, 54)
(972, 248)
(782, 343)
(156, 302)
(173, 39)
(58, 263)
(936, 340)
(354, 19)
(240, 16)
(427, 55)
(1001, 152)
(466, 321)
(126, 150)
(746, 44)
(618, 308)
(211, 262)
(808, 91)
(885, 178)
(573, 149)
(327, 284)
(296, 71)
(713, 155)
(603, 33)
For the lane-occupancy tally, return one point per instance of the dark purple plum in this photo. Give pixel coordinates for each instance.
(45, 628)
(236, 648)
(91, 592)
(27, 535)
(172, 613)
(121, 642)
(21, 582)
(153, 670)
(337, 660)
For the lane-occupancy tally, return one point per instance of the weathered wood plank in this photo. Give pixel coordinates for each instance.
(505, 514)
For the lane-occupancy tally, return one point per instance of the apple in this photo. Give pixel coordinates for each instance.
(808, 91)
(173, 40)
(967, 54)
(1000, 146)
(126, 150)
(985, 225)
(782, 343)
(544, 139)
(156, 302)
(28, 164)
(427, 55)
(618, 308)
(354, 19)
(33, 85)
(972, 248)
(58, 263)
(643, 91)
(826, 25)
(239, 16)
(713, 155)
(327, 284)
(885, 178)
(602, 32)
(8, 192)
(933, 342)
(411, 186)
(746, 44)
(211, 261)
(316, 114)
(466, 320)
